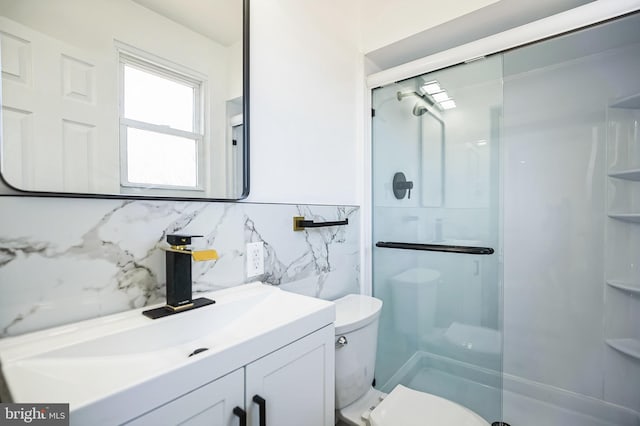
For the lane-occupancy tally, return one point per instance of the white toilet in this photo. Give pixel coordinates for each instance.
(414, 296)
(357, 402)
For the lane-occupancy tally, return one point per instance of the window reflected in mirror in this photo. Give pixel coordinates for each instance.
(161, 134)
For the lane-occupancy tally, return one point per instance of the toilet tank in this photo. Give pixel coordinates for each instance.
(414, 297)
(357, 321)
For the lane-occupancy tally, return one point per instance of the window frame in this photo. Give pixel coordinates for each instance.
(165, 69)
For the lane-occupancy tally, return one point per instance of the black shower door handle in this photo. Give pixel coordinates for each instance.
(436, 247)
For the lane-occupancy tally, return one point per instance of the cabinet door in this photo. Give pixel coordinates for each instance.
(211, 405)
(296, 383)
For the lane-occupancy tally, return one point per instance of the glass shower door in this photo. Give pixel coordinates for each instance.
(436, 263)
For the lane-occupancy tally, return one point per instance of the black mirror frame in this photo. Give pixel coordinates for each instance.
(7, 189)
(246, 12)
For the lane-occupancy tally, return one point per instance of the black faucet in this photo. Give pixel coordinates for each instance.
(179, 284)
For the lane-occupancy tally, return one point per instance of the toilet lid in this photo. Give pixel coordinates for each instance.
(354, 311)
(407, 407)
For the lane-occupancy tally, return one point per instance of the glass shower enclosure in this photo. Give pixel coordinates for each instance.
(506, 198)
(437, 241)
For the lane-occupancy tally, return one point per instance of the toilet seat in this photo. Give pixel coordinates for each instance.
(407, 407)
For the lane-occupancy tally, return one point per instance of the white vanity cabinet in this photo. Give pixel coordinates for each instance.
(209, 405)
(295, 385)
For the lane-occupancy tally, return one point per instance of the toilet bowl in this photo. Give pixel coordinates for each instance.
(357, 402)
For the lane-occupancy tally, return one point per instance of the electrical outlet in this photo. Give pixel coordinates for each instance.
(255, 259)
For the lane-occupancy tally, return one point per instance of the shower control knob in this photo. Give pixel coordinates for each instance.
(341, 342)
(401, 186)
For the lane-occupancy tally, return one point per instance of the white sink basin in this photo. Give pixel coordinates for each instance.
(174, 332)
(92, 361)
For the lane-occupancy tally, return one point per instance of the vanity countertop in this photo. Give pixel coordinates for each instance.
(110, 359)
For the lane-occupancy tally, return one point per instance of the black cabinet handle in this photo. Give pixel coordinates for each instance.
(263, 409)
(242, 415)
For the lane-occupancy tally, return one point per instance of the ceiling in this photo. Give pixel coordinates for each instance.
(493, 19)
(219, 20)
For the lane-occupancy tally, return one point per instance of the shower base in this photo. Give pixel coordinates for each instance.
(511, 399)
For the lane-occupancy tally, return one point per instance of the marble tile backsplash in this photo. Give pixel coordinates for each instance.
(64, 260)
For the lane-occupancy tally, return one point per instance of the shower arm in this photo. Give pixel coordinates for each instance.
(401, 95)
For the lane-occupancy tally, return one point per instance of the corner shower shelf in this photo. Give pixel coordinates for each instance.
(625, 286)
(626, 217)
(630, 347)
(630, 102)
(631, 174)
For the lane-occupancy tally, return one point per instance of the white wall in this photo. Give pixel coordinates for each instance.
(385, 22)
(234, 71)
(306, 97)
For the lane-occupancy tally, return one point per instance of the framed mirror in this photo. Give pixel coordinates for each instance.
(125, 98)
